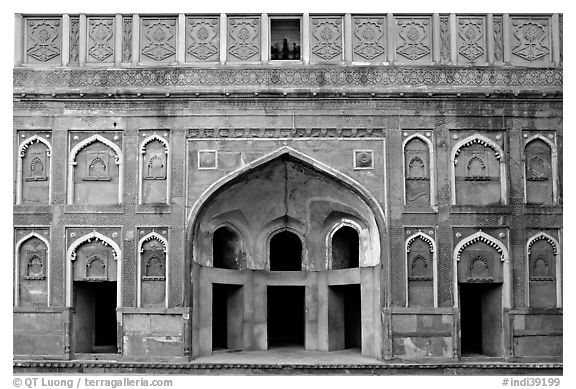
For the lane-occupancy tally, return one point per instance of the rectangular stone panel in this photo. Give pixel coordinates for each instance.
(369, 38)
(74, 56)
(100, 39)
(43, 40)
(203, 39)
(413, 39)
(126, 39)
(243, 40)
(471, 40)
(158, 40)
(326, 39)
(530, 40)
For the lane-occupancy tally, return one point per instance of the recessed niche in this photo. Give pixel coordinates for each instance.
(285, 39)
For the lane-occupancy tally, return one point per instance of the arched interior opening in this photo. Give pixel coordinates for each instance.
(285, 252)
(345, 248)
(226, 248)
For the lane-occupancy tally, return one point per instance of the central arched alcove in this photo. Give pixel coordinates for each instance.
(285, 252)
(345, 248)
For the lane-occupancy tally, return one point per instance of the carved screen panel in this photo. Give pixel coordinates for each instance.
(542, 275)
(326, 39)
(530, 40)
(480, 263)
(243, 39)
(153, 274)
(36, 174)
(158, 40)
(539, 179)
(96, 175)
(369, 38)
(154, 173)
(43, 40)
(420, 274)
(203, 39)
(413, 37)
(100, 37)
(472, 40)
(417, 172)
(33, 269)
(477, 176)
(94, 262)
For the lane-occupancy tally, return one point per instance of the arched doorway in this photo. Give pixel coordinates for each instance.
(285, 252)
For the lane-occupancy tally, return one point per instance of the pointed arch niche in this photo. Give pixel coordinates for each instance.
(93, 249)
(155, 173)
(152, 287)
(95, 176)
(31, 268)
(421, 271)
(34, 171)
(544, 272)
(540, 167)
(478, 172)
(419, 171)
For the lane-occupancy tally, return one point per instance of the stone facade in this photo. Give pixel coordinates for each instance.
(388, 183)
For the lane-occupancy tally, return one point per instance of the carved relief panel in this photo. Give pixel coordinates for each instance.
(369, 38)
(498, 38)
(154, 167)
(530, 40)
(326, 39)
(34, 168)
(94, 261)
(153, 273)
(417, 172)
(419, 255)
(203, 39)
(74, 40)
(94, 163)
(480, 258)
(158, 40)
(43, 40)
(477, 169)
(126, 39)
(444, 39)
(471, 40)
(539, 179)
(33, 272)
(413, 39)
(542, 270)
(100, 39)
(243, 41)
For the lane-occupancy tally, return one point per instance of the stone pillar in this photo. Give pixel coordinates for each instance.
(453, 40)
(18, 40)
(506, 38)
(264, 38)
(65, 55)
(181, 40)
(555, 40)
(118, 30)
(135, 39)
(490, 38)
(322, 320)
(348, 38)
(390, 35)
(81, 40)
(305, 46)
(260, 340)
(436, 42)
(223, 38)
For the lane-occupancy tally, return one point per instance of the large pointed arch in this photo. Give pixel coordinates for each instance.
(556, 250)
(483, 237)
(19, 169)
(144, 239)
(119, 160)
(71, 256)
(316, 165)
(19, 244)
(487, 142)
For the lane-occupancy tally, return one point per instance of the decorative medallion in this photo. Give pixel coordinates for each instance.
(370, 37)
(159, 38)
(363, 159)
(327, 33)
(202, 36)
(43, 34)
(532, 37)
(244, 33)
(414, 35)
(100, 33)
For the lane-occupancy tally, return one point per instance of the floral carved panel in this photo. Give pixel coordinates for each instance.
(202, 39)
(74, 40)
(369, 38)
(498, 39)
(126, 39)
(100, 36)
(530, 40)
(243, 39)
(326, 39)
(471, 40)
(43, 40)
(158, 40)
(413, 39)
(444, 39)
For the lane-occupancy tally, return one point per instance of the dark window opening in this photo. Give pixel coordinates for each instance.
(345, 244)
(285, 252)
(227, 317)
(285, 39)
(285, 316)
(226, 248)
(344, 317)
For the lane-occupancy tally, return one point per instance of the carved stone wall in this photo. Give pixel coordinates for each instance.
(413, 39)
(539, 179)
(33, 272)
(420, 273)
(158, 40)
(417, 172)
(101, 42)
(472, 40)
(126, 39)
(43, 40)
(326, 39)
(369, 39)
(243, 40)
(531, 40)
(203, 39)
